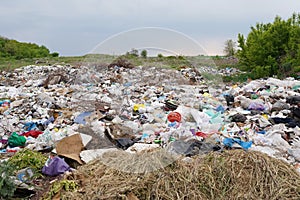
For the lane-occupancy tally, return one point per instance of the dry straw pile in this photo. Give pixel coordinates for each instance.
(234, 174)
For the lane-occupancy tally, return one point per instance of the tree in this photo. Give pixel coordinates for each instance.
(230, 48)
(19, 50)
(272, 48)
(160, 55)
(133, 52)
(144, 53)
(55, 54)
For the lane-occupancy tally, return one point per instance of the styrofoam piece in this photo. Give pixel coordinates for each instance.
(89, 155)
(139, 147)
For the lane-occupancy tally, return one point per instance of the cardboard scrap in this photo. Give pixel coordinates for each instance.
(70, 147)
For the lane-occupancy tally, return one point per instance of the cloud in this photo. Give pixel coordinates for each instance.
(76, 26)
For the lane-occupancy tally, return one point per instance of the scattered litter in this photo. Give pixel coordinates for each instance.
(83, 113)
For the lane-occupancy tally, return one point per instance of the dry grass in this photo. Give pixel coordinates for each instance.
(232, 174)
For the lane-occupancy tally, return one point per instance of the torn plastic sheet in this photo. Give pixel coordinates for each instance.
(55, 166)
(228, 142)
(80, 119)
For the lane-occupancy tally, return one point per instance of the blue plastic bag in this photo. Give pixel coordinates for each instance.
(228, 142)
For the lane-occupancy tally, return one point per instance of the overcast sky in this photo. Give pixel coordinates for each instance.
(75, 27)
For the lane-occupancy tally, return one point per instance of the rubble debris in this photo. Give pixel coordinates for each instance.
(120, 63)
(54, 79)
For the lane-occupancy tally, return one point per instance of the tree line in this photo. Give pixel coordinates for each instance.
(272, 48)
(12, 49)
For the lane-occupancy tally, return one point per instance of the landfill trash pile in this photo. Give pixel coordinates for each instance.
(228, 71)
(81, 113)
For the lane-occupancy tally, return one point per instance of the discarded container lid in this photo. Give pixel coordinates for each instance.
(174, 116)
(136, 107)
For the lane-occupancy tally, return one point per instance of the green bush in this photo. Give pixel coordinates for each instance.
(181, 57)
(296, 69)
(144, 54)
(19, 50)
(272, 48)
(261, 71)
(54, 54)
(28, 158)
(239, 78)
(7, 186)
